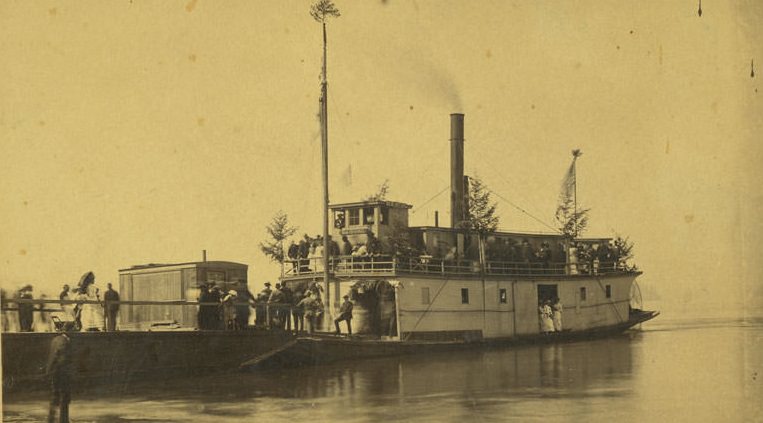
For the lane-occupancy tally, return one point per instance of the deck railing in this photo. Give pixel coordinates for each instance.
(47, 315)
(382, 264)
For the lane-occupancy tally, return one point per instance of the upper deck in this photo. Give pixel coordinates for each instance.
(389, 266)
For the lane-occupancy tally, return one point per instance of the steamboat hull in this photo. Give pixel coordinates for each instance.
(324, 349)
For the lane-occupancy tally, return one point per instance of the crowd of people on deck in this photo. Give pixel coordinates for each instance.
(550, 315)
(307, 255)
(80, 306)
(274, 308)
(587, 257)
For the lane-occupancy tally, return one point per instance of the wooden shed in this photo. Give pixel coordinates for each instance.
(173, 282)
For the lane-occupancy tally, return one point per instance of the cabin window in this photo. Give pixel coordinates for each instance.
(502, 296)
(368, 216)
(354, 216)
(384, 215)
(424, 295)
(583, 294)
(608, 291)
(215, 276)
(464, 295)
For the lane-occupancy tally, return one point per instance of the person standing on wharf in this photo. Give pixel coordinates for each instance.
(59, 372)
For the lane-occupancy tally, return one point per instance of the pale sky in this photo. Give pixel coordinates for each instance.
(137, 131)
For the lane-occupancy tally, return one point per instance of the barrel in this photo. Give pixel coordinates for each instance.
(361, 320)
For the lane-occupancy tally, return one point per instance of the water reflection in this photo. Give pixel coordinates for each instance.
(464, 380)
(649, 375)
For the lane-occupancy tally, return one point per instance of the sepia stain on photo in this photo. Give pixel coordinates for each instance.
(370, 211)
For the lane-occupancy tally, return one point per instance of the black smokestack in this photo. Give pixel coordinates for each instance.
(457, 211)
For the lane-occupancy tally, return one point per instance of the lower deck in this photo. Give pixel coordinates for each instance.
(417, 307)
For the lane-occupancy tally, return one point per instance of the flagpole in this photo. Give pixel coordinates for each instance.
(320, 11)
(324, 173)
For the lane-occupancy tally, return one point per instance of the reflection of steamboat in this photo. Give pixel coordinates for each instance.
(461, 291)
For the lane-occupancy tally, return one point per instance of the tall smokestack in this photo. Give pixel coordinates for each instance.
(456, 169)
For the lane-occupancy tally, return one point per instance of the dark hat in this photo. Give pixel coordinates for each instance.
(267, 283)
(346, 296)
(86, 279)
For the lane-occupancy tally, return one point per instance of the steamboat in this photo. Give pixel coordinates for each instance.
(431, 287)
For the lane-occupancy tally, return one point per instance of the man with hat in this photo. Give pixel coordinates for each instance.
(261, 309)
(112, 307)
(345, 313)
(26, 310)
(276, 305)
(58, 370)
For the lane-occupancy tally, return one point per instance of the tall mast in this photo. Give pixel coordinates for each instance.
(320, 11)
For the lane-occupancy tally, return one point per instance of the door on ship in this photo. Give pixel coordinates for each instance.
(547, 292)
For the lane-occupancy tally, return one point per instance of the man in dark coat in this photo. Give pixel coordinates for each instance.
(203, 316)
(345, 313)
(276, 302)
(346, 246)
(215, 311)
(26, 310)
(298, 313)
(261, 307)
(288, 300)
(304, 251)
(293, 254)
(59, 372)
(112, 307)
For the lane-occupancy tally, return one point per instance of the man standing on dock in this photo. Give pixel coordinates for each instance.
(112, 307)
(345, 313)
(59, 372)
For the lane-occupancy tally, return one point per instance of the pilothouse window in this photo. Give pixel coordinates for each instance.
(464, 295)
(354, 216)
(368, 216)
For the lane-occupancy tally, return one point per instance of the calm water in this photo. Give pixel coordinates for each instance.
(669, 371)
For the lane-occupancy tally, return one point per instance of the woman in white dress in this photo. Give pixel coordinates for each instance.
(92, 314)
(557, 316)
(547, 324)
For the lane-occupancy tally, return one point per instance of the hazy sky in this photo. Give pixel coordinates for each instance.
(137, 131)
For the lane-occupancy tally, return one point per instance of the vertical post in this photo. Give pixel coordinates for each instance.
(324, 172)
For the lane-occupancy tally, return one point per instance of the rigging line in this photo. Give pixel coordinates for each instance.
(524, 211)
(500, 175)
(430, 200)
(431, 303)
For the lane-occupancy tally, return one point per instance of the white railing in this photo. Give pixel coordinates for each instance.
(383, 264)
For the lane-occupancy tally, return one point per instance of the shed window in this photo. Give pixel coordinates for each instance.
(354, 216)
(502, 297)
(608, 291)
(215, 276)
(424, 295)
(583, 294)
(464, 295)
